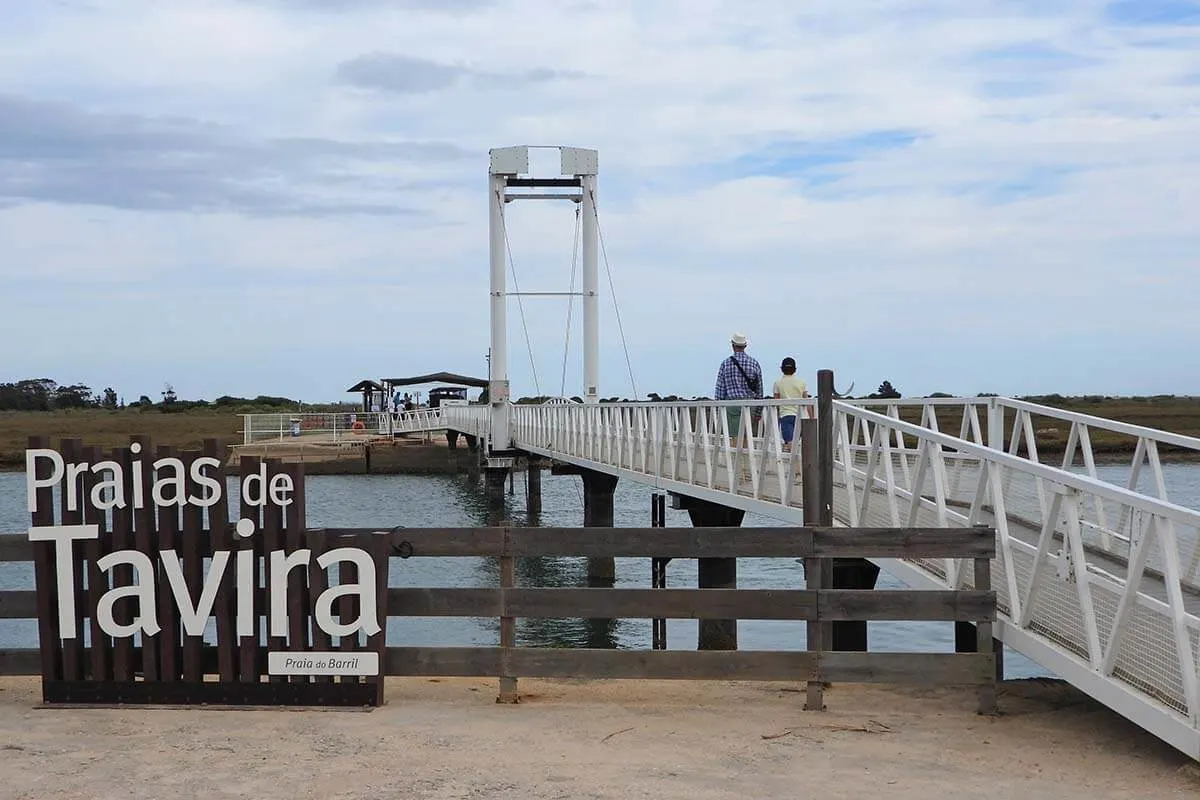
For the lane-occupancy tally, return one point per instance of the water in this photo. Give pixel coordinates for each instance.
(453, 501)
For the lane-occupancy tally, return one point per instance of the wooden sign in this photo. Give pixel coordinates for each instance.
(147, 593)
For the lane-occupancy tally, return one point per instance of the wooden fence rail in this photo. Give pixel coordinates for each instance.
(509, 602)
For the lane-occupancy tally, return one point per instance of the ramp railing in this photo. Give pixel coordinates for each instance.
(1094, 580)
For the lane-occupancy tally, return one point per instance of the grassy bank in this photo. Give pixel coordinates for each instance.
(186, 430)
(108, 429)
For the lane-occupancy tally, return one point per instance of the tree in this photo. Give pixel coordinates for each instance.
(885, 391)
(35, 394)
(110, 398)
(74, 396)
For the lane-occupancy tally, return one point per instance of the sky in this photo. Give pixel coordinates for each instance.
(286, 196)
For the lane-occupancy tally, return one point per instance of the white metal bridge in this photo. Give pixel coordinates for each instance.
(1097, 580)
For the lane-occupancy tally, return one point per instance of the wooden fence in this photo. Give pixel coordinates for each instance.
(507, 602)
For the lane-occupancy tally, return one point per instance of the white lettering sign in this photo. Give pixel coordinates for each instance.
(169, 491)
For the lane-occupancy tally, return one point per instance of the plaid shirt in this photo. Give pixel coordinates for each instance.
(730, 383)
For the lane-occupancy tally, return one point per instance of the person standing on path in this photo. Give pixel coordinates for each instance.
(788, 387)
(738, 378)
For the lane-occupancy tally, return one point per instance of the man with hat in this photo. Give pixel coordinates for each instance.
(738, 378)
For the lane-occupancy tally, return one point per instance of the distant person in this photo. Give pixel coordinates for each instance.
(738, 378)
(788, 387)
(408, 403)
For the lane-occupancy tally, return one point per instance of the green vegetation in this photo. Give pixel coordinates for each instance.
(41, 407)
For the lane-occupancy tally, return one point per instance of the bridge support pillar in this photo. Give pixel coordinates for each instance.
(598, 490)
(714, 573)
(496, 478)
(533, 488)
(851, 573)
(452, 439)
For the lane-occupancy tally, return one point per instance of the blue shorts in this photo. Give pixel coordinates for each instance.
(787, 427)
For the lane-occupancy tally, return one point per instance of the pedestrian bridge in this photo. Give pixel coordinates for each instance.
(1097, 578)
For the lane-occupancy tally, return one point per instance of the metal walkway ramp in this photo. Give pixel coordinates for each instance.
(1097, 577)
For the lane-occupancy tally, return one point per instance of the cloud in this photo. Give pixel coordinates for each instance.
(55, 152)
(934, 192)
(408, 75)
(345, 6)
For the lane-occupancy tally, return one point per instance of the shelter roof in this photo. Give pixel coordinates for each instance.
(366, 386)
(439, 377)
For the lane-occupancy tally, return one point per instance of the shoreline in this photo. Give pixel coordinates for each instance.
(447, 737)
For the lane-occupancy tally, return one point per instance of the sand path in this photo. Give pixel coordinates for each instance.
(574, 739)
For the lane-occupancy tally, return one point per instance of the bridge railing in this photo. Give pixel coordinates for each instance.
(1105, 573)
(732, 446)
(329, 426)
(474, 420)
(1036, 432)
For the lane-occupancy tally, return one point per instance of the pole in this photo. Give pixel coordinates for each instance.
(498, 363)
(591, 295)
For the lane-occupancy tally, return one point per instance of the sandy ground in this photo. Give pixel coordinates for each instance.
(573, 739)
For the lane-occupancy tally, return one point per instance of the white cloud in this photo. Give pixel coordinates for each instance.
(1049, 193)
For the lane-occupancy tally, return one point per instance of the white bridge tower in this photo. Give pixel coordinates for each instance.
(576, 182)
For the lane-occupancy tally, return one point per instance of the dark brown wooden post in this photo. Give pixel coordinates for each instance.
(810, 479)
(348, 611)
(299, 603)
(73, 648)
(221, 538)
(318, 582)
(49, 641)
(122, 574)
(145, 541)
(101, 643)
(983, 632)
(508, 625)
(193, 568)
(824, 514)
(272, 540)
(248, 644)
(168, 616)
(380, 549)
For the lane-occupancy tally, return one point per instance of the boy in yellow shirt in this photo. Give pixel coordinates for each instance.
(788, 386)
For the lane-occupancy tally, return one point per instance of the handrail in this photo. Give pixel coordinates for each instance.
(1054, 474)
(1116, 426)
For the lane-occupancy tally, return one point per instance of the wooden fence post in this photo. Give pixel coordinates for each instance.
(814, 568)
(508, 624)
(983, 638)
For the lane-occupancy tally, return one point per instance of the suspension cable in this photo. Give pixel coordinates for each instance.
(517, 289)
(562, 391)
(613, 290)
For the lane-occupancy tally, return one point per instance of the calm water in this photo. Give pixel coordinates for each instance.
(454, 501)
